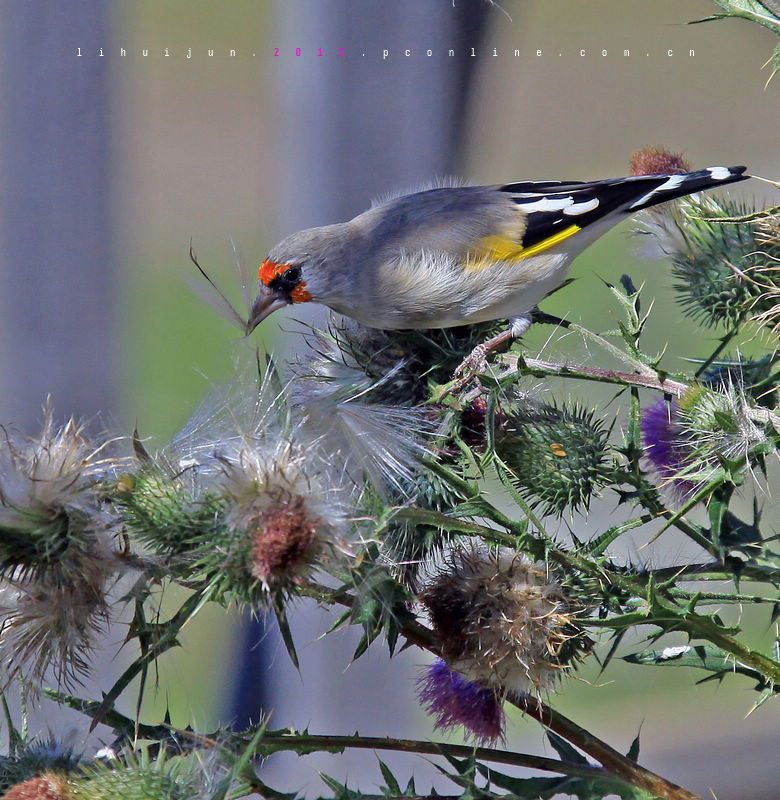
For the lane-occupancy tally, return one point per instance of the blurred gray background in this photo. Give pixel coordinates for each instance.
(111, 165)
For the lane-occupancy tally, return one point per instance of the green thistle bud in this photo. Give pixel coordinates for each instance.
(134, 784)
(166, 513)
(767, 276)
(139, 778)
(717, 264)
(557, 456)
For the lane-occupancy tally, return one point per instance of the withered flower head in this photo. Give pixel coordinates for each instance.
(657, 161)
(503, 621)
(56, 549)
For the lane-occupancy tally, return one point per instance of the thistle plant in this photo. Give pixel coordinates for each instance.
(363, 479)
(765, 13)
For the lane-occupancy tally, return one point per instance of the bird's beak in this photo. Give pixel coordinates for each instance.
(266, 303)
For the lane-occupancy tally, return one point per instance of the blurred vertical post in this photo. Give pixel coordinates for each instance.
(57, 285)
(356, 123)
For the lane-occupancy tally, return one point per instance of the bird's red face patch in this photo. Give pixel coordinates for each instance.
(299, 294)
(275, 276)
(268, 271)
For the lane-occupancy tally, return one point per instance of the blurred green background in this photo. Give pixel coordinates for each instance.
(210, 148)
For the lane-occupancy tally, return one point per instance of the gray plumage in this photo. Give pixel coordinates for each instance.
(458, 255)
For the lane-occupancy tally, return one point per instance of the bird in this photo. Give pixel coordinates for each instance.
(459, 255)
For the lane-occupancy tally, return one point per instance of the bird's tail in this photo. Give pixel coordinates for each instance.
(669, 187)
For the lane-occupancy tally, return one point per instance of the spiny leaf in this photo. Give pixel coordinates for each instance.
(707, 657)
(284, 628)
(565, 750)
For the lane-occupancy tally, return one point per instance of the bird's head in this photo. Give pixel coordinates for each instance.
(289, 274)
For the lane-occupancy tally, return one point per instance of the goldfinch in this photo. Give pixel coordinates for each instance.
(461, 254)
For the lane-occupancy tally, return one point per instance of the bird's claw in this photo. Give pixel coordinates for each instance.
(471, 366)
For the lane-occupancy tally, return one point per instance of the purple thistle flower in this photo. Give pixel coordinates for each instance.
(455, 701)
(665, 445)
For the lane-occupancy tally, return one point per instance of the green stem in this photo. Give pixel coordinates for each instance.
(539, 367)
(697, 625)
(715, 571)
(642, 368)
(721, 597)
(649, 500)
(324, 742)
(167, 639)
(724, 342)
(274, 741)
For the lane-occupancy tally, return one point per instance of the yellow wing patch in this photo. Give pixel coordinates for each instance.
(498, 248)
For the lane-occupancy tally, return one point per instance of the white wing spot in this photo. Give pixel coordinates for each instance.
(719, 173)
(581, 208)
(672, 182)
(547, 204)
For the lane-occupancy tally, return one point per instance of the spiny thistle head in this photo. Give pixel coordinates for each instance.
(503, 621)
(51, 626)
(37, 766)
(401, 364)
(724, 274)
(52, 522)
(721, 422)
(280, 519)
(168, 511)
(56, 550)
(557, 456)
(134, 784)
(139, 777)
(357, 359)
(453, 701)
(48, 786)
(765, 275)
(236, 501)
(686, 440)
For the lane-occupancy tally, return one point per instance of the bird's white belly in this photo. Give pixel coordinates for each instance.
(514, 301)
(438, 292)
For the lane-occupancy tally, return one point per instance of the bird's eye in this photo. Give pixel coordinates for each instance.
(292, 274)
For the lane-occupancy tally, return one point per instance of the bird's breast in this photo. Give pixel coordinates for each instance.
(437, 290)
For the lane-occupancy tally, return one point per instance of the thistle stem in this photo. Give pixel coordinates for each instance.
(538, 366)
(273, 741)
(613, 761)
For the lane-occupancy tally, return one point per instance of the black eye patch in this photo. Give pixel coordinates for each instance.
(287, 281)
(292, 274)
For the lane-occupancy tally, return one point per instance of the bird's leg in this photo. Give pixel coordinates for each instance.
(538, 316)
(476, 361)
